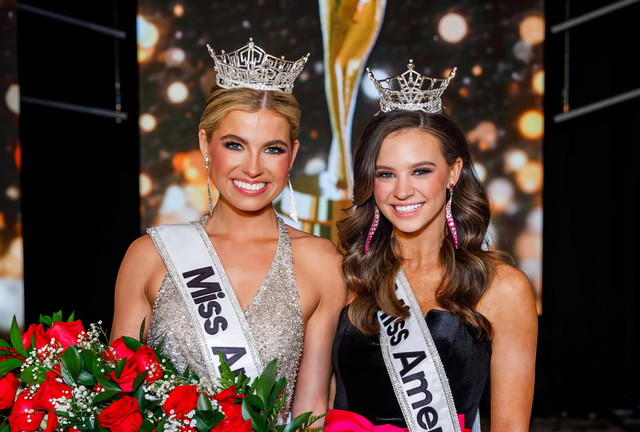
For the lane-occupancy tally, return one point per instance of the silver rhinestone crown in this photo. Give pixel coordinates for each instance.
(406, 92)
(251, 67)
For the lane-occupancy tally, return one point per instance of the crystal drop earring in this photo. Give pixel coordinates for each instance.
(206, 166)
(293, 211)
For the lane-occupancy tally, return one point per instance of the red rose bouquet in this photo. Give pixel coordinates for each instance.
(57, 376)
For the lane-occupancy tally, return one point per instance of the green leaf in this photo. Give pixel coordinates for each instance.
(33, 375)
(72, 362)
(160, 426)
(105, 395)
(89, 359)
(275, 392)
(64, 414)
(254, 401)
(265, 382)
(105, 382)
(5, 344)
(9, 365)
(86, 378)
(139, 379)
(142, 330)
(258, 422)
(201, 425)
(158, 348)
(146, 426)
(16, 338)
(295, 424)
(131, 343)
(57, 316)
(204, 404)
(71, 317)
(120, 367)
(46, 320)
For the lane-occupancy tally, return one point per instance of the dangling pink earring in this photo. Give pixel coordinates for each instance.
(372, 230)
(449, 216)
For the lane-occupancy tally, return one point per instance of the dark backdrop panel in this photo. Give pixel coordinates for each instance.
(589, 344)
(80, 200)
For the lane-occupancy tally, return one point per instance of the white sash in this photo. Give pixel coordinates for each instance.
(214, 309)
(414, 366)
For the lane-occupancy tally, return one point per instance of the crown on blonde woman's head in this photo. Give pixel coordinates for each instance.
(411, 91)
(251, 67)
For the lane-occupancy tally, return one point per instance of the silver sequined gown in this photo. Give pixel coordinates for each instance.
(274, 317)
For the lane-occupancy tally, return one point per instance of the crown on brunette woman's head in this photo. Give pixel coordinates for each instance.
(406, 92)
(251, 67)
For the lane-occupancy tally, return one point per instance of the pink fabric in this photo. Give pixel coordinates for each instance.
(347, 421)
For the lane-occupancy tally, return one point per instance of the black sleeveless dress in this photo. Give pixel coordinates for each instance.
(363, 385)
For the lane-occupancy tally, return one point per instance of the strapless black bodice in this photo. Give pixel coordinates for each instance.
(363, 385)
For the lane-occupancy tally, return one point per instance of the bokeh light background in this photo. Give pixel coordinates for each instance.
(496, 95)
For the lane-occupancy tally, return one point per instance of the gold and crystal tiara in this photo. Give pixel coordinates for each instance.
(406, 92)
(251, 67)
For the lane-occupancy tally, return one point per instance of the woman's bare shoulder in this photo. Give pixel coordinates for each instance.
(510, 292)
(310, 246)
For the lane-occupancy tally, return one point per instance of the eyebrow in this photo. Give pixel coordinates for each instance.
(415, 165)
(244, 141)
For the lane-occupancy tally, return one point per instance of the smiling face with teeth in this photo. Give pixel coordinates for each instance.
(411, 179)
(251, 154)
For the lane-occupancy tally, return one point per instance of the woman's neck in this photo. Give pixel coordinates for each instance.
(226, 221)
(419, 250)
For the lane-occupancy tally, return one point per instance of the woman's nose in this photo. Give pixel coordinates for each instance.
(403, 188)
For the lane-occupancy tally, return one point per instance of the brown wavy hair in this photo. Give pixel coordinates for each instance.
(221, 101)
(468, 270)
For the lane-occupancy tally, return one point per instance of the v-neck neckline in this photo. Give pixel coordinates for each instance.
(223, 272)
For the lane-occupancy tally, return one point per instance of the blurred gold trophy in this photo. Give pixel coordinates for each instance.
(350, 29)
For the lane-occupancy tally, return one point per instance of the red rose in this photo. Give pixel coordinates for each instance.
(66, 333)
(24, 417)
(52, 388)
(181, 401)
(127, 377)
(52, 422)
(145, 360)
(233, 420)
(8, 387)
(38, 331)
(120, 349)
(123, 415)
(228, 396)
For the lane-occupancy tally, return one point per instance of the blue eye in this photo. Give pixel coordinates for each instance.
(233, 145)
(422, 171)
(275, 150)
(384, 174)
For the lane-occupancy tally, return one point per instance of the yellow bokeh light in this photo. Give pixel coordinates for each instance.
(178, 10)
(145, 184)
(147, 122)
(177, 92)
(529, 177)
(531, 124)
(532, 30)
(191, 173)
(476, 70)
(452, 27)
(538, 82)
